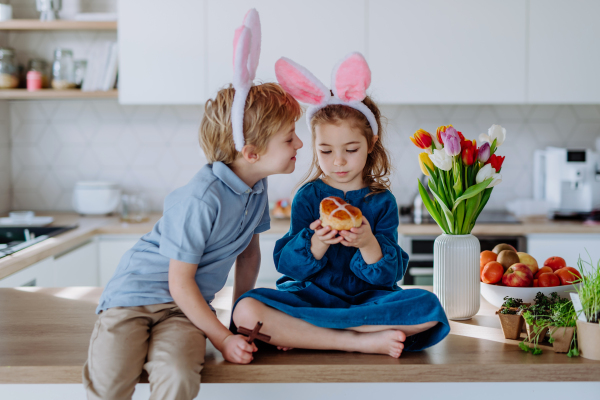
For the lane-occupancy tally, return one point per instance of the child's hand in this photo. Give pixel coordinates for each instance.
(235, 349)
(325, 234)
(358, 237)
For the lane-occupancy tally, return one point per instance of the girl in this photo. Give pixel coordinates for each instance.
(339, 289)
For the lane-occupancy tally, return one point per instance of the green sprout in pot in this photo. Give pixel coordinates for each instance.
(588, 289)
(563, 315)
(511, 305)
(539, 318)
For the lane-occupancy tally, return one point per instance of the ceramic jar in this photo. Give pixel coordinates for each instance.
(456, 275)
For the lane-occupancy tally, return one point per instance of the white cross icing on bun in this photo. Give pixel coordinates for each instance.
(339, 215)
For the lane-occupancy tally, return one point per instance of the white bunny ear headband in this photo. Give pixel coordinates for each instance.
(349, 82)
(246, 52)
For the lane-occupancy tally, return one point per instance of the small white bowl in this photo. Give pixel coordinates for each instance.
(495, 294)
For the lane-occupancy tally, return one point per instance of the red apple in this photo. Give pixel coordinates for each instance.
(555, 263)
(518, 275)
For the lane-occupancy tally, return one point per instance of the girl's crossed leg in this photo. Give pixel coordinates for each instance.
(287, 331)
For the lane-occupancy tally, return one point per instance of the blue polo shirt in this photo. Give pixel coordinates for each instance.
(208, 222)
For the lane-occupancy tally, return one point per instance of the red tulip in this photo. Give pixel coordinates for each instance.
(496, 162)
(469, 151)
(422, 139)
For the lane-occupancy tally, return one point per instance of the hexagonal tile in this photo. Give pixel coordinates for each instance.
(463, 113)
(109, 110)
(108, 133)
(66, 177)
(68, 133)
(565, 120)
(185, 133)
(543, 112)
(148, 133)
(190, 113)
(29, 179)
(168, 168)
(584, 111)
(146, 113)
(70, 155)
(29, 132)
(486, 118)
(508, 113)
(49, 191)
(108, 156)
(68, 110)
(429, 113)
(148, 156)
(546, 134)
(584, 135)
(49, 145)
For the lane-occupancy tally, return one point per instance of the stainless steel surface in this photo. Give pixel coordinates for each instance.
(18, 238)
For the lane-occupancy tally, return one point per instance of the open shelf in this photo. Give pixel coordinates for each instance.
(58, 25)
(53, 94)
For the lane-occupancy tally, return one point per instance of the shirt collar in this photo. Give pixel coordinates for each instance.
(229, 178)
(339, 193)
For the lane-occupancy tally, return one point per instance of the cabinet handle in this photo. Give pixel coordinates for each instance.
(64, 253)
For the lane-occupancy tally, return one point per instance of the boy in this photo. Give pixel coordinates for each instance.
(155, 312)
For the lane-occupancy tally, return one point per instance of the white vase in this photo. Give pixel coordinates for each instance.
(456, 275)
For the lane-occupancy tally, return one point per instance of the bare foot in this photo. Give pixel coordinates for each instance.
(389, 342)
(284, 348)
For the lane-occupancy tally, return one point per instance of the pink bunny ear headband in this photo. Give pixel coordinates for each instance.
(246, 52)
(349, 81)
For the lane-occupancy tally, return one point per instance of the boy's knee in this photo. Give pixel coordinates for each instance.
(175, 376)
(247, 312)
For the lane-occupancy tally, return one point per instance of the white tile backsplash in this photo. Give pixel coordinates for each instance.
(154, 149)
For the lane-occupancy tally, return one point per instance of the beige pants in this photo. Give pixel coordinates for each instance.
(158, 338)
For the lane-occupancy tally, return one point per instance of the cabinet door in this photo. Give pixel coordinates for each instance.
(38, 274)
(564, 51)
(439, 51)
(314, 33)
(77, 267)
(161, 52)
(268, 275)
(569, 247)
(110, 250)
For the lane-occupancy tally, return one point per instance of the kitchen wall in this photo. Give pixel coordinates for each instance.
(154, 149)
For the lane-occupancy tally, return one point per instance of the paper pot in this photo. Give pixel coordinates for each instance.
(511, 325)
(562, 338)
(531, 334)
(456, 275)
(588, 338)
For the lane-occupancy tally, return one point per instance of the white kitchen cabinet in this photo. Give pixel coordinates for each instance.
(439, 51)
(567, 246)
(77, 266)
(161, 52)
(564, 51)
(268, 274)
(39, 274)
(110, 250)
(314, 33)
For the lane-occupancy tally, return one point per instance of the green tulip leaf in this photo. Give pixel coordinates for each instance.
(445, 209)
(429, 205)
(472, 191)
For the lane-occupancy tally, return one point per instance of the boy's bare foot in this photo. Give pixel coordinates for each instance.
(390, 342)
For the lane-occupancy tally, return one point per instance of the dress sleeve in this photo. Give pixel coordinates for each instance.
(392, 266)
(184, 230)
(292, 252)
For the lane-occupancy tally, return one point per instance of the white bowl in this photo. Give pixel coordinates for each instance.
(495, 294)
(96, 197)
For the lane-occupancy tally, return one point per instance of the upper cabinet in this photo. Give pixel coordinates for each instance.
(161, 52)
(314, 33)
(564, 51)
(439, 51)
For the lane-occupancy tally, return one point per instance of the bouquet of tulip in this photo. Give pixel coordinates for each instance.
(461, 175)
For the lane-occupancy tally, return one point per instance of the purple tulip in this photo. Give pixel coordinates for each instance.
(451, 141)
(484, 152)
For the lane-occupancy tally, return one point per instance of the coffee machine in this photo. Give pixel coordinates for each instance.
(568, 180)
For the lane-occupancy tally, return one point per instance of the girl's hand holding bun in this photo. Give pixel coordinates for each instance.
(358, 237)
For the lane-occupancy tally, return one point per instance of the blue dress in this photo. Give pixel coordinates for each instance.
(341, 290)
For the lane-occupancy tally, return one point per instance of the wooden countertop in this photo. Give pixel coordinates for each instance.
(45, 332)
(88, 227)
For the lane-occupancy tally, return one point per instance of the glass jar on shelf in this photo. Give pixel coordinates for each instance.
(9, 75)
(80, 69)
(40, 65)
(63, 76)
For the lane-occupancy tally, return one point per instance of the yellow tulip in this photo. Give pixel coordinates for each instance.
(425, 160)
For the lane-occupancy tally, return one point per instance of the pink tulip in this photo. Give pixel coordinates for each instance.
(484, 152)
(451, 141)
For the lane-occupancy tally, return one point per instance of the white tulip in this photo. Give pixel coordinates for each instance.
(488, 172)
(437, 143)
(496, 132)
(441, 159)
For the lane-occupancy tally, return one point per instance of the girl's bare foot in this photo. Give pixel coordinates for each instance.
(284, 348)
(390, 342)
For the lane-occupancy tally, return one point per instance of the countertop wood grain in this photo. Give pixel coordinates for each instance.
(88, 227)
(45, 332)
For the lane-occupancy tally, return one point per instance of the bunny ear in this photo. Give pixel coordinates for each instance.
(241, 51)
(300, 83)
(252, 21)
(351, 77)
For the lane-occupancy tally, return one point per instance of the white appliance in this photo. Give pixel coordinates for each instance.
(568, 179)
(96, 197)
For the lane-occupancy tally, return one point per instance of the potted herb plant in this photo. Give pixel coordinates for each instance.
(511, 319)
(562, 330)
(588, 296)
(537, 321)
